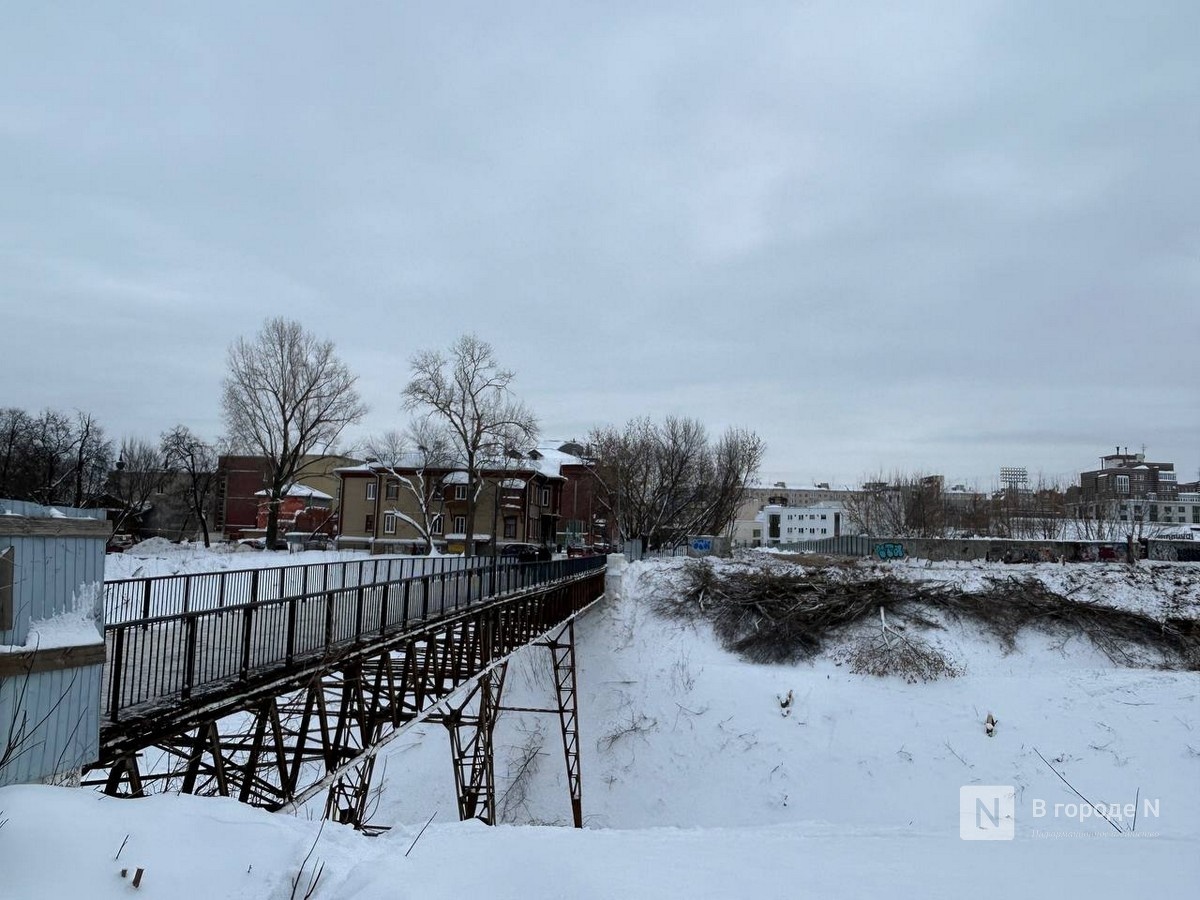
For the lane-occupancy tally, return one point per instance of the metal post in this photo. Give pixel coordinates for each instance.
(565, 688)
(471, 749)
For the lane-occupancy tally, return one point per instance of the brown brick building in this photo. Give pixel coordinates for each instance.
(240, 478)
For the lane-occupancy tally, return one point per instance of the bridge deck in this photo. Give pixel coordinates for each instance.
(169, 665)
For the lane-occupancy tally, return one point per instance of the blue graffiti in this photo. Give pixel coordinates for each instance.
(889, 551)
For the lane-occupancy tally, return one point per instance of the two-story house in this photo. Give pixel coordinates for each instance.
(405, 506)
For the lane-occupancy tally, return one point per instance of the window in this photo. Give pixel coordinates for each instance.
(1122, 484)
(510, 526)
(393, 490)
(824, 530)
(389, 523)
(545, 496)
(437, 494)
(435, 524)
(460, 492)
(460, 525)
(369, 528)
(370, 490)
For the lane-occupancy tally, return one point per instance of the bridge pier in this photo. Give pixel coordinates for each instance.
(471, 749)
(565, 690)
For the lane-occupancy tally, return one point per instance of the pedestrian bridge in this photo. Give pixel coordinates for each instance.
(276, 685)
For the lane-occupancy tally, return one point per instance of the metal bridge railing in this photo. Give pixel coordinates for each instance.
(170, 658)
(126, 599)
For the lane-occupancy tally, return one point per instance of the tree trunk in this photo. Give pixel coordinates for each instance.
(469, 531)
(273, 518)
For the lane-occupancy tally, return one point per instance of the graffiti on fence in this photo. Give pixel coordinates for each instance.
(889, 551)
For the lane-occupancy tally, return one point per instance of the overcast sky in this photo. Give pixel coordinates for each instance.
(947, 236)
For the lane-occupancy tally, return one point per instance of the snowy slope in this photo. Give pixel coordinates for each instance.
(199, 849)
(679, 732)
(696, 784)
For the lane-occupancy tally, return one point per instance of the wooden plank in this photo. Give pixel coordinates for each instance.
(87, 528)
(50, 659)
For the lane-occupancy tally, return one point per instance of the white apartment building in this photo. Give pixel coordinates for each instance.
(793, 524)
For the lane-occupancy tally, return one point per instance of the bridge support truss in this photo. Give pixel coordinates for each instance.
(287, 741)
(562, 649)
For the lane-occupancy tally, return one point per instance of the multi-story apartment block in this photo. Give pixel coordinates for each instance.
(1129, 488)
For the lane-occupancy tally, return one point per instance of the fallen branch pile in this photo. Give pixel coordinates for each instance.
(774, 613)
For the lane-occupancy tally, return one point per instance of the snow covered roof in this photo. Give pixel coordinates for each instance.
(513, 483)
(458, 477)
(548, 460)
(298, 490)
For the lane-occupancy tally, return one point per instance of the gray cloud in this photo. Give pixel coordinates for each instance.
(944, 235)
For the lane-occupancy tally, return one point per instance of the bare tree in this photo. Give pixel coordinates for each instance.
(878, 507)
(139, 476)
(734, 460)
(16, 437)
(1047, 509)
(471, 395)
(52, 458)
(665, 481)
(287, 396)
(1137, 525)
(92, 459)
(407, 458)
(925, 509)
(1095, 522)
(196, 462)
(52, 439)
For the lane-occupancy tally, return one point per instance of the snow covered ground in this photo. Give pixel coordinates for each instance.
(700, 782)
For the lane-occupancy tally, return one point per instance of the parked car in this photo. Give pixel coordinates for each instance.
(119, 543)
(525, 553)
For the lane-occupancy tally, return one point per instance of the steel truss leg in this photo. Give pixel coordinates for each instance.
(348, 801)
(563, 653)
(471, 747)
